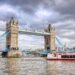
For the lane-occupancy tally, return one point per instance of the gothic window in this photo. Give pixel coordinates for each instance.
(48, 47)
(8, 46)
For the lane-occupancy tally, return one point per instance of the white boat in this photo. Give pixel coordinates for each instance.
(58, 56)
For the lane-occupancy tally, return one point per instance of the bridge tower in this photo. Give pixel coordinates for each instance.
(50, 39)
(12, 38)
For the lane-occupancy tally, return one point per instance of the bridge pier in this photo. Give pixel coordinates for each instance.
(12, 39)
(50, 39)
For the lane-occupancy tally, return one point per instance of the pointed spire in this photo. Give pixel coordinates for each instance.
(13, 20)
(49, 27)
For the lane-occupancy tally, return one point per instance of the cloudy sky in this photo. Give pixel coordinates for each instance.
(37, 14)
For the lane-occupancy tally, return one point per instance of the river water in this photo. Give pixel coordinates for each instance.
(35, 66)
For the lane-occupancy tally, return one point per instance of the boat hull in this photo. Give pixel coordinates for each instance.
(60, 58)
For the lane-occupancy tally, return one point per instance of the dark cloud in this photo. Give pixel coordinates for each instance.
(60, 13)
(65, 6)
(61, 6)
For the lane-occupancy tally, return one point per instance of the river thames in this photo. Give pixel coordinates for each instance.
(35, 66)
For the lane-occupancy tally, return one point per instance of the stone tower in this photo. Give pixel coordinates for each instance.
(50, 39)
(12, 39)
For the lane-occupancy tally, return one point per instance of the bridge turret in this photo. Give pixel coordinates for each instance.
(50, 39)
(13, 21)
(12, 37)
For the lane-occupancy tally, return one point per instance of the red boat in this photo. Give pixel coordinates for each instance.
(61, 56)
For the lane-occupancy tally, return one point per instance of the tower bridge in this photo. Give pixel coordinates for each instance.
(12, 29)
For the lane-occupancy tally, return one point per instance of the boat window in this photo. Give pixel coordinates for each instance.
(70, 56)
(63, 56)
(67, 56)
(73, 56)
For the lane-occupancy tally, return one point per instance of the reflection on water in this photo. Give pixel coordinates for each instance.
(35, 66)
(12, 66)
(23, 66)
(61, 67)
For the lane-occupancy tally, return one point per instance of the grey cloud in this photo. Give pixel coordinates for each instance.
(30, 6)
(62, 6)
(65, 9)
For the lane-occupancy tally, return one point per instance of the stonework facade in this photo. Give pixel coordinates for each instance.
(12, 37)
(50, 39)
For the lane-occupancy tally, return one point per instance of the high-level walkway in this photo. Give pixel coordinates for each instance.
(35, 32)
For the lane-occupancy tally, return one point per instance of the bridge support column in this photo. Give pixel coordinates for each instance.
(50, 39)
(12, 39)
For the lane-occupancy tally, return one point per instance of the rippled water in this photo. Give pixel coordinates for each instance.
(61, 67)
(35, 66)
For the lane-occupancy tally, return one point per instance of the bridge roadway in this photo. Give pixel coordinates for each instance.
(29, 32)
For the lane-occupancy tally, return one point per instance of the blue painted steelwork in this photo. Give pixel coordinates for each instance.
(1, 39)
(42, 53)
(59, 42)
(39, 33)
